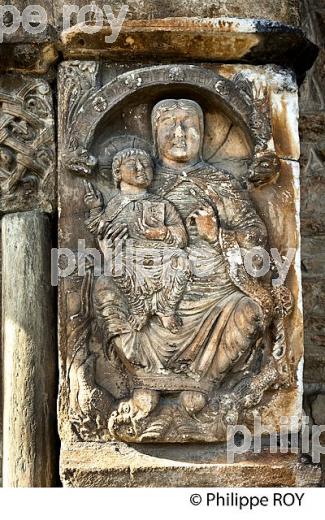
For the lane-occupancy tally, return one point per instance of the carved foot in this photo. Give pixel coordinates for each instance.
(144, 401)
(125, 421)
(192, 401)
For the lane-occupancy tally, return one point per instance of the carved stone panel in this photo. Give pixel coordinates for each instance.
(179, 286)
(27, 145)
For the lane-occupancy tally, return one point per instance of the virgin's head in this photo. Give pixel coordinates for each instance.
(178, 129)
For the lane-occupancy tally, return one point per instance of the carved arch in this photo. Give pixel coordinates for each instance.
(101, 102)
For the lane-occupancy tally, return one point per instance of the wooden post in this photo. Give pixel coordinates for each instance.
(29, 355)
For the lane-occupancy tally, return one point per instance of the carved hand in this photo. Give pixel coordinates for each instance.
(115, 235)
(153, 233)
(206, 222)
(93, 198)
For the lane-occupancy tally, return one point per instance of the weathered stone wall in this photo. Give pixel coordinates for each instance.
(312, 131)
(1, 393)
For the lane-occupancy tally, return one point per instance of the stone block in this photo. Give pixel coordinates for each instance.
(318, 409)
(314, 366)
(286, 12)
(119, 465)
(313, 257)
(27, 47)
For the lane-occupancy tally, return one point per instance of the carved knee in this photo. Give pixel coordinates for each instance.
(249, 316)
(242, 331)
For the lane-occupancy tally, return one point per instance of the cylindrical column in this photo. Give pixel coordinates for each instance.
(29, 358)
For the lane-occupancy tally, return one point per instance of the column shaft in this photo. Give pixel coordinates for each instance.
(29, 354)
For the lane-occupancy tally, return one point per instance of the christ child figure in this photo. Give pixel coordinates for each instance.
(148, 229)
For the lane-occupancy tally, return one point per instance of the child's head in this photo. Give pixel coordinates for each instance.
(132, 166)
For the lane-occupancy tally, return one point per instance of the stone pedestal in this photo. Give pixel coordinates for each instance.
(120, 465)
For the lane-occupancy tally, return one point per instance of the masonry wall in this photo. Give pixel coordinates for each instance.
(312, 131)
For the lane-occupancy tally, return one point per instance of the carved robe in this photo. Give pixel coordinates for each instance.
(221, 308)
(152, 274)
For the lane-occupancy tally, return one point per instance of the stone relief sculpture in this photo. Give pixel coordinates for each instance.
(175, 340)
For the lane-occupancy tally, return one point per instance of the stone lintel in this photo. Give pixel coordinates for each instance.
(247, 32)
(216, 39)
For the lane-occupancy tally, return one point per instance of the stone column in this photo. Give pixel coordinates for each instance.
(29, 357)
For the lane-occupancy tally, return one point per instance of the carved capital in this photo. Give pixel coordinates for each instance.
(27, 145)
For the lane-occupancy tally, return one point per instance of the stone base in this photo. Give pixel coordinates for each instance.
(120, 465)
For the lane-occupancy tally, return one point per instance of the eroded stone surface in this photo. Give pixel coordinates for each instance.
(15, 32)
(311, 126)
(284, 12)
(182, 38)
(33, 58)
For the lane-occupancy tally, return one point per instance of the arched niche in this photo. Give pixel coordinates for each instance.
(122, 108)
(224, 138)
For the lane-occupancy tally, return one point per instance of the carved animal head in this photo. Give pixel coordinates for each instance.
(264, 168)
